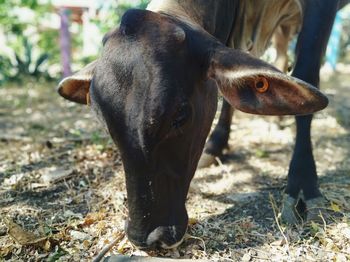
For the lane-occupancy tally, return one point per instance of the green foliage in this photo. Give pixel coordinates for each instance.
(33, 47)
(261, 153)
(48, 42)
(101, 142)
(59, 252)
(6, 71)
(113, 17)
(25, 57)
(9, 19)
(26, 64)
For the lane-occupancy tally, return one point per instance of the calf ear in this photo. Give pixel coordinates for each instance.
(76, 87)
(253, 86)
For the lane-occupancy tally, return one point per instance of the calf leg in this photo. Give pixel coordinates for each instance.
(312, 42)
(218, 139)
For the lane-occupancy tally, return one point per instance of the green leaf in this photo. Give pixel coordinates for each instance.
(335, 207)
(39, 62)
(21, 67)
(27, 52)
(262, 153)
(56, 256)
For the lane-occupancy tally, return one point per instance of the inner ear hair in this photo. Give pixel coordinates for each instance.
(238, 78)
(75, 89)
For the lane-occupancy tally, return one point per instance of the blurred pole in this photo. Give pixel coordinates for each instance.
(65, 42)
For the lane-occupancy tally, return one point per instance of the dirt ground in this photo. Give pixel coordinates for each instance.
(63, 198)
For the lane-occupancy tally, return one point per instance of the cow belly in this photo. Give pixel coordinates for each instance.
(257, 21)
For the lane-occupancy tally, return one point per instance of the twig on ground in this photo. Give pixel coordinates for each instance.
(18, 138)
(327, 251)
(260, 258)
(188, 236)
(107, 248)
(273, 205)
(324, 222)
(223, 167)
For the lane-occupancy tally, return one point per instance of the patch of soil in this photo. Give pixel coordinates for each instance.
(63, 198)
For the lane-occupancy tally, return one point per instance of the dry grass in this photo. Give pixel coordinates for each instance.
(234, 206)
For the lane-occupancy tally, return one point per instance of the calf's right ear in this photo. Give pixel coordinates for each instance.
(76, 87)
(255, 87)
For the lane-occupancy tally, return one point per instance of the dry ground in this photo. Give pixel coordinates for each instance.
(62, 192)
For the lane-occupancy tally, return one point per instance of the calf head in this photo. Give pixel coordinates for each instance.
(155, 89)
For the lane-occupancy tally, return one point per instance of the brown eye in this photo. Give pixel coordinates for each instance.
(261, 84)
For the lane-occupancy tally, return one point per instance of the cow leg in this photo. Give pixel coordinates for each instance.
(312, 42)
(218, 139)
(280, 41)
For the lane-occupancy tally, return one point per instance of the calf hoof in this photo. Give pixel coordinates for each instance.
(289, 213)
(316, 209)
(206, 160)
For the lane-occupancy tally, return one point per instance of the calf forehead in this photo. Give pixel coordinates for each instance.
(140, 84)
(148, 52)
(146, 25)
(134, 19)
(144, 34)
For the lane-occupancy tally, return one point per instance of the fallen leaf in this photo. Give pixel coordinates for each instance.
(122, 245)
(22, 236)
(335, 207)
(86, 243)
(91, 218)
(192, 221)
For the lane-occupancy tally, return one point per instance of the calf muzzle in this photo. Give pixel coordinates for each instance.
(161, 237)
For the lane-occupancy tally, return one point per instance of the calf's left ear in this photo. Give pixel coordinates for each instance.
(253, 86)
(76, 87)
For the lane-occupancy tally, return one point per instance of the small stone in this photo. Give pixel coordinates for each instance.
(55, 174)
(246, 257)
(346, 232)
(13, 180)
(243, 197)
(3, 231)
(80, 235)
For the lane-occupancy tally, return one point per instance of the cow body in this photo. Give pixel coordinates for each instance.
(315, 25)
(236, 24)
(155, 90)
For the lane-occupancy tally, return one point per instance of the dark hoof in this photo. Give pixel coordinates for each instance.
(289, 214)
(206, 160)
(316, 209)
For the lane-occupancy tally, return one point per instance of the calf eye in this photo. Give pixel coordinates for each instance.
(181, 115)
(261, 84)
